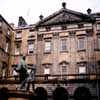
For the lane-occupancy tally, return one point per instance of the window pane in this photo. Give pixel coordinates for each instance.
(98, 42)
(7, 44)
(82, 70)
(30, 48)
(30, 42)
(63, 45)
(47, 46)
(0, 23)
(17, 51)
(30, 33)
(47, 71)
(8, 32)
(98, 26)
(81, 43)
(18, 35)
(64, 69)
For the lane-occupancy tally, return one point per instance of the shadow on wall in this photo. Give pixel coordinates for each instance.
(82, 93)
(60, 93)
(41, 94)
(4, 94)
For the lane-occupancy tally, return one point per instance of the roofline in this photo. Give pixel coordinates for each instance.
(59, 11)
(25, 27)
(6, 21)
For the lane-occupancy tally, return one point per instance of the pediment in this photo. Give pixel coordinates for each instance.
(64, 16)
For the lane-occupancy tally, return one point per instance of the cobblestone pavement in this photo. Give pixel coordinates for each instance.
(17, 99)
(23, 99)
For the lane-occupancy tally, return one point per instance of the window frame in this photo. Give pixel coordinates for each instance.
(18, 35)
(80, 65)
(98, 26)
(7, 47)
(63, 43)
(47, 67)
(62, 65)
(17, 48)
(31, 49)
(46, 50)
(98, 42)
(81, 43)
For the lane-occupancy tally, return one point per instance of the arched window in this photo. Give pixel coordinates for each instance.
(63, 69)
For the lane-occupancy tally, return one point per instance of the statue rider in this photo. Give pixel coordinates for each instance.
(23, 74)
(31, 77)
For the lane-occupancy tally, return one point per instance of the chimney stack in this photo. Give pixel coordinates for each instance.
(41, 17)
(89, 11)
(64, 5)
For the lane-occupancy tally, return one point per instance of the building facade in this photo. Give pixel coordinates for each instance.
(6, 47)
(66, 42)
(63, 46)
(25, 43)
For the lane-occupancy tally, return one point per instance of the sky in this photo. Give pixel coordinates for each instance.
(32, 9)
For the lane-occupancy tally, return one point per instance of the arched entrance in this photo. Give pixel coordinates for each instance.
(4, 93)
(82, 93)
(41, 93)
(60, 93)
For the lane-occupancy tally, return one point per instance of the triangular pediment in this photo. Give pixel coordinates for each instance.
(64, 16)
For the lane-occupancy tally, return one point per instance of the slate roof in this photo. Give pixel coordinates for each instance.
(2, 18)
(65, 16)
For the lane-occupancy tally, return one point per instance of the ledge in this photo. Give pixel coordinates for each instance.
(47, 52)
(83, 50)
(64, 51)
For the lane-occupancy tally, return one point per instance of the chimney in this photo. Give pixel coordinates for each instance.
(21, 21)
(41, 17)
(89, 11)
(64, 5)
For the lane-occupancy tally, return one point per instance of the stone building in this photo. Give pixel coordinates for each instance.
(66, 42)
(25, 43)
(68, 48)
(6, 47)
(63, 46)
